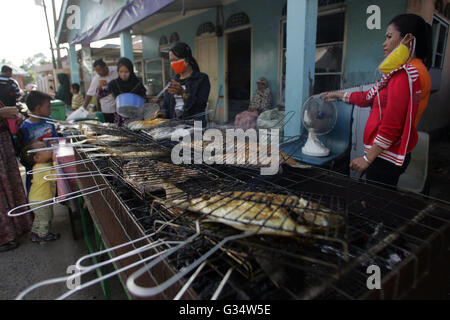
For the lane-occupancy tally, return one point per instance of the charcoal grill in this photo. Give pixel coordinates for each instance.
(406, 235)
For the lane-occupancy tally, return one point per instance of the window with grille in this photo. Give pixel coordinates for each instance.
(207, 27)
(174, 37)
(329, 53)
(440, 36)
(237, 20)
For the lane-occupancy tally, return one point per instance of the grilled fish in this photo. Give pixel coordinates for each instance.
(148, 176)
(149, 123)
(245, 149)
(249, 212)
(265, 213)
(165, 133)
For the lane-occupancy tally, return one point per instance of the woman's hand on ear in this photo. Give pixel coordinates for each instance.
(407, 39)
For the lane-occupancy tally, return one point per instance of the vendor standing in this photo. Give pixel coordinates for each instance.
(99, 88)
(188, 92)
(390, 134)
(127, 82)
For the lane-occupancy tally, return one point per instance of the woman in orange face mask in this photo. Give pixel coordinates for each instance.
(397, 101)
(188, 92)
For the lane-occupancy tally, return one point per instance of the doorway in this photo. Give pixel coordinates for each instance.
(238, 67)
(207, 55)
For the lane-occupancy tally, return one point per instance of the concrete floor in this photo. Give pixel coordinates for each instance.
(31, 263)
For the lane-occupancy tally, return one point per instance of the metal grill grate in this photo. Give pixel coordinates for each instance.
(383, 228)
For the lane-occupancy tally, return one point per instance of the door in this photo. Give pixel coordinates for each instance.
(206, 54)
(238, 50)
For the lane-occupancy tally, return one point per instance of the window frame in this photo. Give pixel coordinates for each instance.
(324, 11)
(441, 23)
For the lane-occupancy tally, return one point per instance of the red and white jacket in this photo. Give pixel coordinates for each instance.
(395, 102)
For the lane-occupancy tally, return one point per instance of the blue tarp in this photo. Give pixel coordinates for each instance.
(123, 19)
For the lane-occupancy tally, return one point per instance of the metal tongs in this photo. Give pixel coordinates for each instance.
(140, 291)
(68, 145)
(50, 120)
(86, 269)
(57, 200)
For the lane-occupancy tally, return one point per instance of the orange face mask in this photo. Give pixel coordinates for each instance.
(179, 66)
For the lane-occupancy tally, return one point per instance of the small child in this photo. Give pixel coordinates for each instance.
(41, 190)
(77, 97)
(37, 129)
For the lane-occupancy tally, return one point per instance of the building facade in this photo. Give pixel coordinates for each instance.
(301, 47)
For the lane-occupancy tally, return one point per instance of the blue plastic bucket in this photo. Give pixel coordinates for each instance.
(130, 105)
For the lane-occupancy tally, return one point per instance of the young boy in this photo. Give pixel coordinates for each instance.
(41, 190)
(77, 97)
(37, 129)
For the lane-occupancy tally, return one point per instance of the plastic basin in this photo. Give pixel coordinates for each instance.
(130, 105)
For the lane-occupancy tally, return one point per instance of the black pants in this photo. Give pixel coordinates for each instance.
(385, 172)
(109, 117)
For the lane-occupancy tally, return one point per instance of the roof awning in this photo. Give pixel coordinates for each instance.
(142, 14)
(123, 19)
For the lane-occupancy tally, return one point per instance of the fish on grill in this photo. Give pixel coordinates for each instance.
(149, 176)
(130, 151)
(244, 149)
(165, 133)
(144, 124)
(256, 211)
(248, 211)
(106, 138)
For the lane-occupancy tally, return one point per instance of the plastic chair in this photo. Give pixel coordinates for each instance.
(415, 179)
(338, 140)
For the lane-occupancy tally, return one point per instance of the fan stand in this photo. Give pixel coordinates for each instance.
(314, 147)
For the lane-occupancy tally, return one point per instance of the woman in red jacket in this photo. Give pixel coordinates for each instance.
(390, 134)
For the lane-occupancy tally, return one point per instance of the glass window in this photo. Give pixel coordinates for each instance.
(330, 28)
(440, 35)
(329, 54)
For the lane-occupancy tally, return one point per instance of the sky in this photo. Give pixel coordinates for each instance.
(23, 30)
